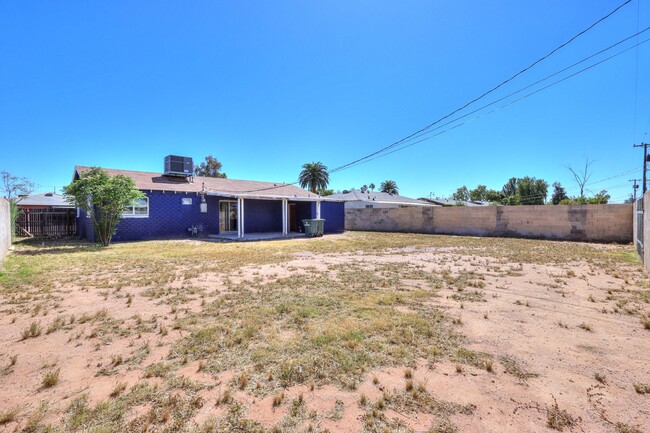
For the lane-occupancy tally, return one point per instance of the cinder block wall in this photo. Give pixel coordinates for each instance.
(5, 228)
(591, 223)
(646, 230)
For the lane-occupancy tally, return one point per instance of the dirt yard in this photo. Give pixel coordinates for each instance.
(362, 332)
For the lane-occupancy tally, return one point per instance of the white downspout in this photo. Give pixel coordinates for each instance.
(318, 210)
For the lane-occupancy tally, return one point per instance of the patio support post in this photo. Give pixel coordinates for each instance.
(240, 218)
(318, 210)
(285, 214)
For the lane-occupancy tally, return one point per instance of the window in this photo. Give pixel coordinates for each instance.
(139, 210)
(369, 206)
(186, 200)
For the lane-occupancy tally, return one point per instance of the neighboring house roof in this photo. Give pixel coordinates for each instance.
(378, 197)
(211, 185)
(46, 199)
(451, 202)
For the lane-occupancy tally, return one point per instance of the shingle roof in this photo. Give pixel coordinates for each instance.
(451, 202)
(377, 197)
(213, 186)
(45, 199)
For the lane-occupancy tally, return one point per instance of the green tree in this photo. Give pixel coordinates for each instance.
(104, 198)
(372, 187)
(510, 188)
(479, 193)
(494, 196)
(532, 191)
(314, 176)
(559, 193)
(211, 167)
(601, 198)
(325, 192)
(15, 188)
(511, 200)
(390, 187)
(461, 194)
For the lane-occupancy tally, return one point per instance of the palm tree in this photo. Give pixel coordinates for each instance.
(390, 187)
(314, 177)
(372, 187)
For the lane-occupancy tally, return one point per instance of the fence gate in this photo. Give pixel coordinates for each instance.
(638, 214)
(46, 222)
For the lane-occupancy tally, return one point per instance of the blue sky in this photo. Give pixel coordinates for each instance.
(267, 86)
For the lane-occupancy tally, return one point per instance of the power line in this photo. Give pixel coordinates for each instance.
(530, 85)
(422, 132)
(407, 144)
(544, 57)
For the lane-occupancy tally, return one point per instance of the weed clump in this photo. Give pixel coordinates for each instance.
(557, 418)
(51, 378)
(33, 331)
(277, 400)
(642, 388)
(9, 415)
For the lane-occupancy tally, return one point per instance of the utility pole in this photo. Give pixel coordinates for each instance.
(634, 187)
(645, 164)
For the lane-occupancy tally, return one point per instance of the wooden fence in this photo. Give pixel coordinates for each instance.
(46, 222)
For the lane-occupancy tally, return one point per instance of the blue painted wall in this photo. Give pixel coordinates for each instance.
(334, 215)
(262, 216)
(169, 218)
(85, 228)
(303, 211)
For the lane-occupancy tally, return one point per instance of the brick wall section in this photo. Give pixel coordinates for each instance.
(592, 223)
(5, 228)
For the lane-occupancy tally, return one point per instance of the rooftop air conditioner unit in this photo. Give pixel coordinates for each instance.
(178, 166)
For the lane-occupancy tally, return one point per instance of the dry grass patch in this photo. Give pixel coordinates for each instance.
(9, 415)
(558, 419)
(51, 378)
(362, 305)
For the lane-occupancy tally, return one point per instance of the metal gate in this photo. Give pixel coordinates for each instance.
(638, 214)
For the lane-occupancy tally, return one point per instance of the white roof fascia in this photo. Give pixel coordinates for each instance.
(269, 197)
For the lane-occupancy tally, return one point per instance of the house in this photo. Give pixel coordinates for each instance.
(46, 200)
(45, 214)
(446, 202)
(178, 206)
(356, 199)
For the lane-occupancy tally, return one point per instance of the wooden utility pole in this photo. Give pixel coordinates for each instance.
(635, 186)
(645, 164)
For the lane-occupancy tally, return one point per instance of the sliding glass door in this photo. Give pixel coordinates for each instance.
(227, 216)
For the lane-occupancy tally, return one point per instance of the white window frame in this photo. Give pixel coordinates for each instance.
(186, 201)
(132, 214)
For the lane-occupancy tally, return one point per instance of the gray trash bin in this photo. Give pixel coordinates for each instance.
(314, 227)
